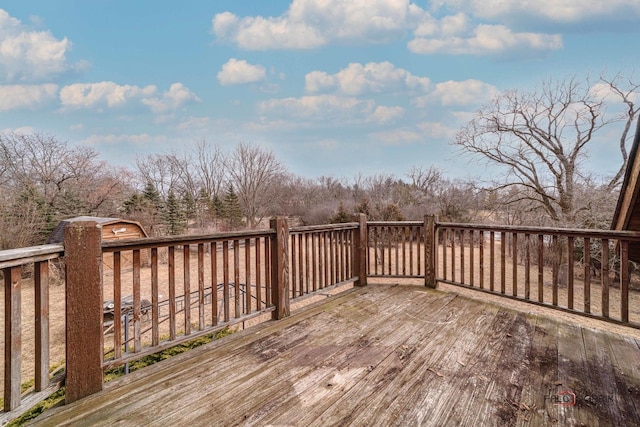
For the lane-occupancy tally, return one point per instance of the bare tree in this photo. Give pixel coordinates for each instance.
(163, 171)
(210, 169)
(423, 178)
(252, 171)
(540, 138)
(624, 91)
(45, 180)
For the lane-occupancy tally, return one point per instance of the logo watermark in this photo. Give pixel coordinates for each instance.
(563, 398)
(566, 397)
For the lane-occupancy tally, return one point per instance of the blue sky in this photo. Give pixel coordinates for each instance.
(331, 87)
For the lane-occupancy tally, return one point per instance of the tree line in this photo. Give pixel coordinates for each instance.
(536, 140)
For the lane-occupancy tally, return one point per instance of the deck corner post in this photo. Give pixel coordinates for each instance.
(360, 252)
(280, 268)
(84, 346)
(430, 248)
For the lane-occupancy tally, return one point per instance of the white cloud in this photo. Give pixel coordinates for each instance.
(177, 96)
(457, 93)
(318, 107)
(314, 23)
(604, 92)
(436, 130)
(110, 94)
(238, 71)
(383, 114)
(311, 24)
(30, 55)
(194, 123)
(397, 137)
(560, 11)
(358, 79)
(466, 92)
(13, 97)
(486, 39)
(137, 139)
(22, 130)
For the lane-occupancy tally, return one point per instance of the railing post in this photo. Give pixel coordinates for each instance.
(12, 337)
(280, 268)
(83, 267)
(430, 248)
(360, 252)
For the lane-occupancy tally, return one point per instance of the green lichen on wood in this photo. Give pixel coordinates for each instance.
(57, 398)
(50, 402)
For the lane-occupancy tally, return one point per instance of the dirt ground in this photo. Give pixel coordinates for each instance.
(57, 301)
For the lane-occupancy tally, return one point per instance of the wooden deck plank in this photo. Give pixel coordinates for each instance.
(627, 362)
(504, 366)
(125, 389)
(384, 347)
(536, 406)
(401, 379)
(573, 377)
(464, 395)
(612, 398)
(267, 345)
(380, 355)
(342, 364)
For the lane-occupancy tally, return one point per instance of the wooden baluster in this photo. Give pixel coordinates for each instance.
(247, 276)
(171, 265)
(624, 281)
(41, 293)
(155, 314)
(540, 268)
(186, 262)
(503, 247)
(201, 302)
(604, 276)
(570, 272)
(527, 266)
(587, 275)
(12, 336)
(137, 339)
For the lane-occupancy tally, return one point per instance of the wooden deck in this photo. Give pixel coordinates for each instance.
(384, 355)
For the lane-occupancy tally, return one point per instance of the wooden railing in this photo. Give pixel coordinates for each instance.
(128, 299)
(321, 257)
(401, 249)
(31, 266)
(581, 271)
(177, 289)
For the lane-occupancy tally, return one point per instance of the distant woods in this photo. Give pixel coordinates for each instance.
(535, 141)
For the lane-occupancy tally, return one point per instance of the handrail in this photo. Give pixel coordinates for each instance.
(23, 256)
(578, 232)
(150, 242)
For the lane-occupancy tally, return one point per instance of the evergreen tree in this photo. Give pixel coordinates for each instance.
(231, 208)
(341, 216)
(132, 204)
(151, 197)
(174, 216)
(189, 204)
(218, 207)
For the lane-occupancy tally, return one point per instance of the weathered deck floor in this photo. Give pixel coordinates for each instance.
(384, 355)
